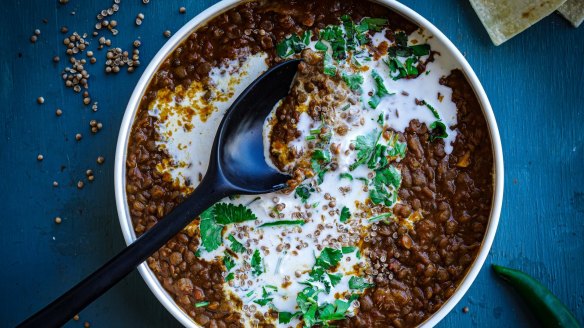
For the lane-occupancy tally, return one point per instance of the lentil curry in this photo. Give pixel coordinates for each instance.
(390, 158)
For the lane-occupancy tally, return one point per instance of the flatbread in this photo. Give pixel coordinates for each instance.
(504, 19)
(573, 10)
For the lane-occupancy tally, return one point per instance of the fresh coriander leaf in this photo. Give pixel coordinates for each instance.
(335, 278)
(228, 262)
(374, 101)
(345, 214)
(286, 317)
(380, 217)
(438, 131)
(420, 50)
(347, 176)
(201, 304)
(365, 145)
(256, 263)
(432, 109)
(229, 213)
(401, 39)
(348, 249)
(359, 283)
(309, 316)
(263, 301)
(210, 231)
(320, 46)
(290, 46)
(230, 277)
(374, 24)
(322, 155)
(380, 119)
(236, 246)
(303, 192)
(282, 223)
(310, 138)
(411, 70)
(353, 81)
(329, 257)
(329, 66)
(389, 176)
(306, 37)
(381, 89)
(271, 287)
(198, 252)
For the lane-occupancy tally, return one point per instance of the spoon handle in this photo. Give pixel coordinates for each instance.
(77, 298)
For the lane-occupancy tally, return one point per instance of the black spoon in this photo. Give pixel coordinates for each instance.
(237, 166)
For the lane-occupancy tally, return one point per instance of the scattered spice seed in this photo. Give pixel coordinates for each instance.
(56, 59)
(58, 112)
(58, 220)
(76, 317)
(37, 32)
(33, 39)
(64, 29)
(63, 2)
(40, 100)
(78, 136)
(100, 160)
(167, 33)
(89, 172)
(40, 157)
(55, 184)
(91, 178)
(465, 309)
(182, 10)
(80, 184)
(86, 324)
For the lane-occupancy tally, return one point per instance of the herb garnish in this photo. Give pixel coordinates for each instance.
(385, 186)
(353, 81)
(364, 145)
(236, 246)
(359, 283)
(438, 129)
(345, 214)
(303, 191)
(293, 44)
(281, 223)
(347, 176)
(381, 90)
(216, 217)
(407, 69)
(201, 304)
(256, 263)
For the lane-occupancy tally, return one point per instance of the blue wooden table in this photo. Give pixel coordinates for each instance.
(535, 83)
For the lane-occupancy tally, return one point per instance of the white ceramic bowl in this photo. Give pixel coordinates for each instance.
(205, 16)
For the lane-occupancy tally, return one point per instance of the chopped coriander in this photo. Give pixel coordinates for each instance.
(320, 46)
(329, 66)
(347, 176)
(263, 301)
(432, 109)
(322, 155)
(236, 246)
(286, 317)
(381, 90)
(329, 257)
(256, 263)
(348, 249)
(420, 50)
(291, 45)
(359, 283)
(282, 223)
(310, 138)
(306, 36)
(335, 278)
(201, 304)
(210, 231)
(438, 131)
(380, 217)
(354, 81)
(230, 276)
(229, 213)
(303, 192)
(385, 185)
(345, 214)
(228, 262)
(365, 146)
(374, 24)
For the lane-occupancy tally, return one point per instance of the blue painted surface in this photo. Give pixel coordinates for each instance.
(535, 83)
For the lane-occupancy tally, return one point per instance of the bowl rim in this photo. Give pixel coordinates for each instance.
(122, 146)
